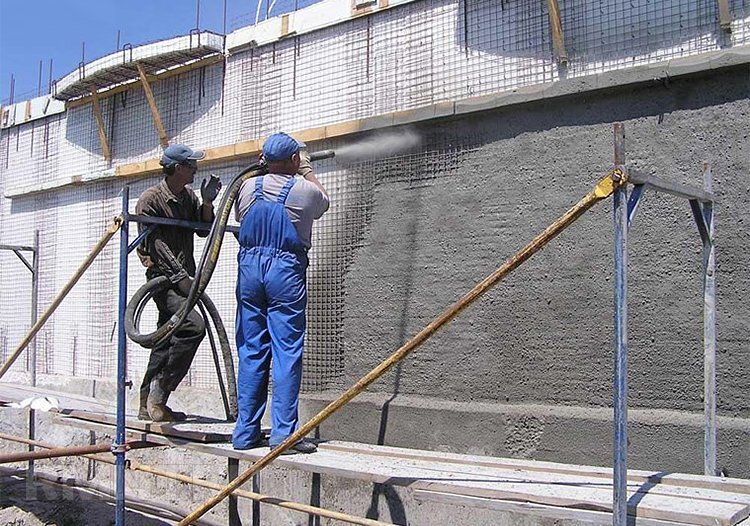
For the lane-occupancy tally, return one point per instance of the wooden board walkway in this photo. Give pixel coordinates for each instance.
(547, 489)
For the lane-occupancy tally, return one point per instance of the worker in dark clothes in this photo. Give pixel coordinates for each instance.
(168, 251)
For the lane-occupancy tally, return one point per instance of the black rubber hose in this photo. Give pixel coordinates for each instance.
(210, 254)
(205, 269)
(133, 317)
(228, 396)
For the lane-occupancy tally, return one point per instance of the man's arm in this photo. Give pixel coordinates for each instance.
(306, 171)
(207, 212)
(154, 251)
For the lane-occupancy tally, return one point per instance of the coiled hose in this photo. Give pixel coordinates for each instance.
(203, 274)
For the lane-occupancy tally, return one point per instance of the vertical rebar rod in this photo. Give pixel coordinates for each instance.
(233, 469)
(49, 88)
(224, 20)
(709, 330)
(39, 83)
(620, 402)
(119, 446)
(256, 504)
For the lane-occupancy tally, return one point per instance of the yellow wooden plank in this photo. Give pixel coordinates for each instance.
(106, 152)
(220, 153)
(154, 109)
(343, 128)
(284, 25)
(310, 134)
(247, 148)
(725, 16)
(558, 38)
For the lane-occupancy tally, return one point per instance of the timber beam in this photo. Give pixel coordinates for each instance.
(154, 109)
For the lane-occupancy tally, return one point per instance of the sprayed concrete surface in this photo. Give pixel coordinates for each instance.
(544, 335)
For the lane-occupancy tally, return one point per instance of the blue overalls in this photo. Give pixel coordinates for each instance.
(271, 301)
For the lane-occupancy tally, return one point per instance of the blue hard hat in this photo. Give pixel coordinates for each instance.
(178, 154)
(280, 147)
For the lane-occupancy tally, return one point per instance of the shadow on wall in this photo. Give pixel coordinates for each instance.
(182, 101)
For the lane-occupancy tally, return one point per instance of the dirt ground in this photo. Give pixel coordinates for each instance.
(56, 505)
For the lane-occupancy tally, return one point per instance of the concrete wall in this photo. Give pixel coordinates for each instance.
(544, 335)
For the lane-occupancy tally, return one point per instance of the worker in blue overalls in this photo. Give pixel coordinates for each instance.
(276, 213)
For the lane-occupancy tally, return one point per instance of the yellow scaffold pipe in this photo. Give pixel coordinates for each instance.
(111, 230)
(603, 189)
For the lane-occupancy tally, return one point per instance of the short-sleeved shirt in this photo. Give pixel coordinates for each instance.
(305, 203)
(168, 250)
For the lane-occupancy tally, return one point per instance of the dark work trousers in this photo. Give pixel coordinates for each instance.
(171, 359)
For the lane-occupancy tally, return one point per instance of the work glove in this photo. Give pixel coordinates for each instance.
(304, 163)
(210, 188)
(184, 285)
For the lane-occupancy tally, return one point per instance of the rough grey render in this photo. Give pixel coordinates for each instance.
(544, 335)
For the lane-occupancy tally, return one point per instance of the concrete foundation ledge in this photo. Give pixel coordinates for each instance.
(659, 439)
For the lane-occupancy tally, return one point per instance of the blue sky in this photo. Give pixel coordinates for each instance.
(40, 30)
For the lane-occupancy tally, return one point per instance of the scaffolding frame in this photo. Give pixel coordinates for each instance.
(34, 269)
(624, 210)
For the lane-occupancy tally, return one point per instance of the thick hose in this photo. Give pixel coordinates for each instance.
(133, 318)
(210, 253)
(203, 272)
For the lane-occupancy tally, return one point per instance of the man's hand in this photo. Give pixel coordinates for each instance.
(210, 189)
(184, 285)
(304, 163)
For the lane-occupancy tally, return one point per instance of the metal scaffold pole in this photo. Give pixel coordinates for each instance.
(33, 353)
(709, 328)
(620, 402)
(118, 448)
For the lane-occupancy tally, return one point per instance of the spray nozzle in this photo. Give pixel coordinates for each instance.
(323, 154)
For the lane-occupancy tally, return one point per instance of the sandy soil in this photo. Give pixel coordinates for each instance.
(54, 505)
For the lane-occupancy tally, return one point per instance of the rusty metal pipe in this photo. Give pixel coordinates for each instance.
(55, 452)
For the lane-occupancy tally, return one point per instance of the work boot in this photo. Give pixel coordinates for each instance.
(156, 404)
(143, 405)
(303, 446)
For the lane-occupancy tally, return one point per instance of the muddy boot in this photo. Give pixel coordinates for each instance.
(177, 415)
(143, 405)
(156, 403)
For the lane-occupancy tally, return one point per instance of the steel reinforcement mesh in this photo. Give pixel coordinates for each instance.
(417, 54)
